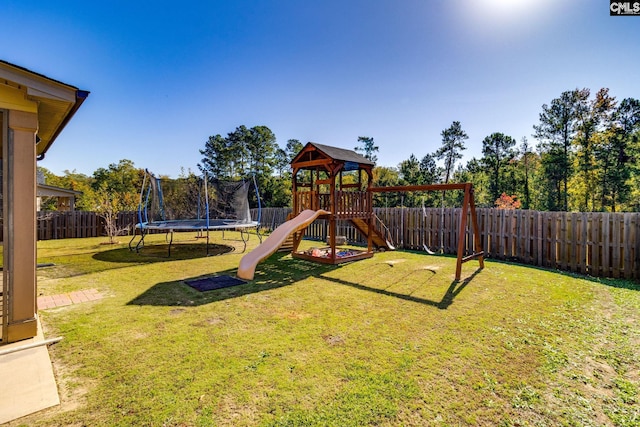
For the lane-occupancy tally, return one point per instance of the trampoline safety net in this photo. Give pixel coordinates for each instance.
(194, 198)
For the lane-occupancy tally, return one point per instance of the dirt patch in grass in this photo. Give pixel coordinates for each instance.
(211, 321)
(333, 339)
(73, 393)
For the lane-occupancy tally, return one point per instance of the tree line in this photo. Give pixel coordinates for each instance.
(585, 159)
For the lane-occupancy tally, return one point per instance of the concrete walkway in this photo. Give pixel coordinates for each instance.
(28, 383)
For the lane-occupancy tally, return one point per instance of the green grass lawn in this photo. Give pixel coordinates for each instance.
(388, 341)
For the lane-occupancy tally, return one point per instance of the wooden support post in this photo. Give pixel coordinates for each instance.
(332, 219)
(468, 209)
(294, 190)
(476, 229)
(19, 206)
(370, 234)
(463, 228)
(297, 238)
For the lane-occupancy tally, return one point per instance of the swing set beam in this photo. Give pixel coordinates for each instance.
(429, 187)
(468, 209)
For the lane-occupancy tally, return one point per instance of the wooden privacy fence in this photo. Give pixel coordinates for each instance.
(594, 243)
(271, 218)
(65, 225)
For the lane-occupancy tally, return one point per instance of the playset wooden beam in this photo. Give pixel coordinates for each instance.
(334, 161)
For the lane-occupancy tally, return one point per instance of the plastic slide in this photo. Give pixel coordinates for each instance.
(248, 263)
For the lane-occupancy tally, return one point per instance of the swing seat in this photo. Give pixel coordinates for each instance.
(427, 250)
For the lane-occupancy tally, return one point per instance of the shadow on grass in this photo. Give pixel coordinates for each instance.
(454, 289)
(628, 284)
(275, 273)
(77, 264)
(272, 274)
(159, 253)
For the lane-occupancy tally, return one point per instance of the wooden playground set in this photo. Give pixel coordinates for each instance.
(335, 184)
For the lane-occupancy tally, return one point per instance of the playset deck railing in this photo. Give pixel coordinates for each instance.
(305, 200)
(353, 204)
(348, 204)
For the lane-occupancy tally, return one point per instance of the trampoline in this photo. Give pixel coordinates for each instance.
(194, 204)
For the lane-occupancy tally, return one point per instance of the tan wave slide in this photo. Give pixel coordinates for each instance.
(248, 263)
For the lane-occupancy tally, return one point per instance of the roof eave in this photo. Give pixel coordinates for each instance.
(59, 101)
(81, 96)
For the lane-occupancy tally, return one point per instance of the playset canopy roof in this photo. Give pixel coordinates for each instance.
(314, 155)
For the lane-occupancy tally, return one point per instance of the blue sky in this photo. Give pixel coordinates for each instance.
(164, 76)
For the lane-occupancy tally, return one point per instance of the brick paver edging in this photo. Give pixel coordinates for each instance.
(61, 300)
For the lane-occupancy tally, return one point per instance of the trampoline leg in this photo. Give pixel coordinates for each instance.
(140, 244)
(244, 235)
(258, 233)
(131, 241)
(170, 243)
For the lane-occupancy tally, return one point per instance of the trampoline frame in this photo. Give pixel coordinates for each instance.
(184, 225)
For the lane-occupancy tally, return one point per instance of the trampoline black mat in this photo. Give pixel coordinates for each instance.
(213, 283)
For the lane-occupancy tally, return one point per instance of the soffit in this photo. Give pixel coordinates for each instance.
(56, 101)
